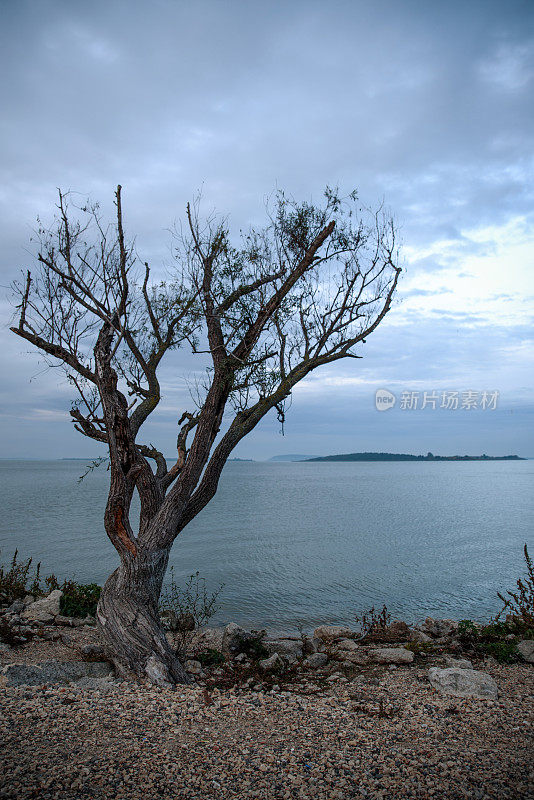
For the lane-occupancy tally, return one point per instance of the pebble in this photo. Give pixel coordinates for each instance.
(376, 734)
(398, 739)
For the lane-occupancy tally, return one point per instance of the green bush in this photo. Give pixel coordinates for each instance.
(16, 581)
(79, 599)
(505, 652)
(211, 658)
(498, 639)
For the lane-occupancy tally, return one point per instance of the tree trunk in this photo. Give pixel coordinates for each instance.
(129, 624)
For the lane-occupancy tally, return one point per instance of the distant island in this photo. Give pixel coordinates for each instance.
(409, 457)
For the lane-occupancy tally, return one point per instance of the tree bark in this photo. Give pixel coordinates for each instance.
(129, 624)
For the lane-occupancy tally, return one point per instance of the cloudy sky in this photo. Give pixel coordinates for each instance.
(428, 105)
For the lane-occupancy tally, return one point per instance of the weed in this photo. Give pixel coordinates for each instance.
(467, 631)
(192, 604)
(78, 599)
(14, 579)
(520, 604)
(499, 639)
(254, 648)
(373, 624)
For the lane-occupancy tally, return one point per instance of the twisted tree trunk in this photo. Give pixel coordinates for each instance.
(129, 624)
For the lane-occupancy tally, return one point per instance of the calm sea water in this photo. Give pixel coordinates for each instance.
(298, 543)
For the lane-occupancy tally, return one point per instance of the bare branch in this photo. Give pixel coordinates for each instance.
(57, 352)
(294, 296)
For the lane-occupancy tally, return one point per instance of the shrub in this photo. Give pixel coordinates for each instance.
(78, 600)
(255, 649)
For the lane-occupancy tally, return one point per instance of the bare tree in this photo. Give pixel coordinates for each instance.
(266, 310)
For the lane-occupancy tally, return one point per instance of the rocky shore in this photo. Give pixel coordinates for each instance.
(405, 712)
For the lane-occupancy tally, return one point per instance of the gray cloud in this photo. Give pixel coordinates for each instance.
(427, 105)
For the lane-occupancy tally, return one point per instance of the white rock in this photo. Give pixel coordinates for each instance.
(526, 650)
(156, 671)
(359, 656)
(44, 610)
(463, 683)
(79, 622)
(241, 658)
(349, 650)
(419, 636)
(271, 664)
(392, 655)
(400, 630)
(238, 640)
(65, 621)
(284, 647)
(438, 628)
(328, 633)
(209, 638)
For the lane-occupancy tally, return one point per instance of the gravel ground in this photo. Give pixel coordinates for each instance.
(383, 734)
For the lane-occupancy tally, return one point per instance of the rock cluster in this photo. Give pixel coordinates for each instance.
(331, 653)
(26, 618)
(334, 651)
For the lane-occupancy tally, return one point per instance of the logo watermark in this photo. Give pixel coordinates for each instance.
(450, 400)
(384, 399)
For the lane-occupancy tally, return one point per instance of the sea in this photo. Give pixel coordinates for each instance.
(298, 544)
